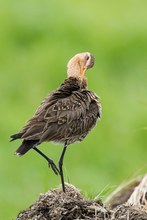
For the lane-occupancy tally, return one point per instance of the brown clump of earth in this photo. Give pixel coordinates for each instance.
(57, 205)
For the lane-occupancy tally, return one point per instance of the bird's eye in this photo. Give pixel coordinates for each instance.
(87, 57)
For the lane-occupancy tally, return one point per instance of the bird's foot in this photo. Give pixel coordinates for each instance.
(53, 166)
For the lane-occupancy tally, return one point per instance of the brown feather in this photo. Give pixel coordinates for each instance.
(67, 114)
(25, 146)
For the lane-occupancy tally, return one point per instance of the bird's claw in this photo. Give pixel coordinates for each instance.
(54, 167)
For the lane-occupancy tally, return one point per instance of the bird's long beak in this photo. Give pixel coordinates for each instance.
(83, 70)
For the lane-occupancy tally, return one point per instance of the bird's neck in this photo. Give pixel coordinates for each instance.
(74, 69)
(82, 82)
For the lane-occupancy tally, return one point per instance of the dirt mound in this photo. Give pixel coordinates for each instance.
(56, 205)
(70, 205)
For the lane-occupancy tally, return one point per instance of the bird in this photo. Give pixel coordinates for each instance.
(65, 116)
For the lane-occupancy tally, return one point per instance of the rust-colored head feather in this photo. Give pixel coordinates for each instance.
(78, 65)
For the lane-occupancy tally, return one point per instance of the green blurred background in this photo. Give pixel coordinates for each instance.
(37, 38)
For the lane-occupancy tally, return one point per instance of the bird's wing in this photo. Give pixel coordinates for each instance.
(55, 114)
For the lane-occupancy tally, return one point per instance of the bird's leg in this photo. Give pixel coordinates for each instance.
(60, 166)
(50, 162)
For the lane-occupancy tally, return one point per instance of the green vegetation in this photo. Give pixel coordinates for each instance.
(37, 39)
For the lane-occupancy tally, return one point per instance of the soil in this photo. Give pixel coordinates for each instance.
(56, 205)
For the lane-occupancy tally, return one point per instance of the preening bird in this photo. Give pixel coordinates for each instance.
(65, 116)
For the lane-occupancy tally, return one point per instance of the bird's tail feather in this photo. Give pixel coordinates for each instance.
(26, 146)
(15, 136)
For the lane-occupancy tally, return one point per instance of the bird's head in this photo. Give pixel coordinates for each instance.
(78, 65)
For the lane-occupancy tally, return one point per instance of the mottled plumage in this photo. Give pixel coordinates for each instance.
(67, 114)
